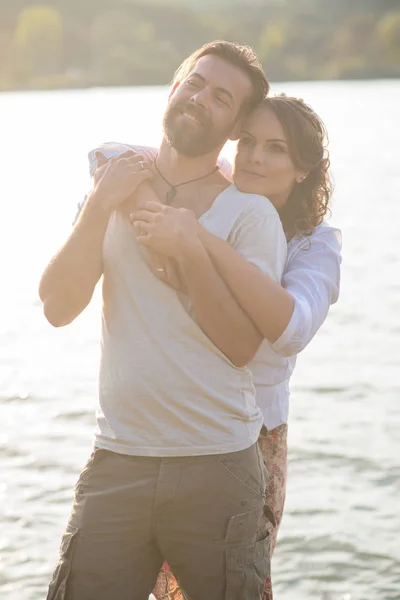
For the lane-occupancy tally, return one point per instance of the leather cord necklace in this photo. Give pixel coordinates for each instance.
(172, 188)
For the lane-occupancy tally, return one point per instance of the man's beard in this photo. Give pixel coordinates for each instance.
(192, 140)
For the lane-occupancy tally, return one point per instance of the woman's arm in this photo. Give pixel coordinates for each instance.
(174, 233)
(269, 306)
(258, 240)
(287, 316)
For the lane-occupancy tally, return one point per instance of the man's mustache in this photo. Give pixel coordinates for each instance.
(192, 109)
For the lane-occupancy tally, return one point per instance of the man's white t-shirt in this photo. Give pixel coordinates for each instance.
(164, 388)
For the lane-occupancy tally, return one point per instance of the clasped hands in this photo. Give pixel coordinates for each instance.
(168, 234)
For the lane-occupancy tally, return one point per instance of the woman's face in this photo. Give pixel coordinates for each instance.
(262, 164)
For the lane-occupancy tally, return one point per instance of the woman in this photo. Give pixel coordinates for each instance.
(281, 154)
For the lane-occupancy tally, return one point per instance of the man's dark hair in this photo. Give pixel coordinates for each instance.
(239, 56)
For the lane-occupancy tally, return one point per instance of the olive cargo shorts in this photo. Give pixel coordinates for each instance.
(204, 515)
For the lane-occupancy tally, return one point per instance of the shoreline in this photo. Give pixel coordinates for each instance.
(81, 86)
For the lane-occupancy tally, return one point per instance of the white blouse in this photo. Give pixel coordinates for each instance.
(311, 276)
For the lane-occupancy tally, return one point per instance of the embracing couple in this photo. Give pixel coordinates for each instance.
(214, 278)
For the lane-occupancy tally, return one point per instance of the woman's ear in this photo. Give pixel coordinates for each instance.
(301, 177)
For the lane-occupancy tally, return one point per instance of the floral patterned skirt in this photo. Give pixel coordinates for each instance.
(273, 445)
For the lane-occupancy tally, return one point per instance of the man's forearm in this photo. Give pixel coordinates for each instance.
(267, 303)
(217, 312)
(70, 278)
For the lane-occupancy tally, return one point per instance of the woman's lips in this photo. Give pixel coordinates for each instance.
(252, 174)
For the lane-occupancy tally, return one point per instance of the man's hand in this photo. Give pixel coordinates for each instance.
(170, 231)
(118, 178)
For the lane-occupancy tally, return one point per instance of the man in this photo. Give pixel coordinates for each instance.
(176, 473)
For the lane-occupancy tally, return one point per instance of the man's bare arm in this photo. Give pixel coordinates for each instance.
(69, 280)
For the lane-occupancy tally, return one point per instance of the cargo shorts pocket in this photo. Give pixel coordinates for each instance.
(244, 527)
(247, 568)
(58, 585)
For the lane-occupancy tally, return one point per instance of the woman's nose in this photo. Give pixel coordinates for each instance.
(256, 155)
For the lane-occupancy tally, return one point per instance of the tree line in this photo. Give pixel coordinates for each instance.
(80, 43)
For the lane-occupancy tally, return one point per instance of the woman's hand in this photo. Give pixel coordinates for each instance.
(166, 269)
(171, 231)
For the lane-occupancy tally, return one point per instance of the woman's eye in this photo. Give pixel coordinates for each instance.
(245, 141)
(276, 148)
(221, 100)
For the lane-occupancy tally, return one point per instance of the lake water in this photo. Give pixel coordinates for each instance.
(340, 534)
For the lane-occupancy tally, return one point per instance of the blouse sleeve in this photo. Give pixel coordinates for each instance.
(312, 276)
(225, 167)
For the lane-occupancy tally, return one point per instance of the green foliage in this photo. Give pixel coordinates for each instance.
(38, 40)
(388, 34)
(133, 42)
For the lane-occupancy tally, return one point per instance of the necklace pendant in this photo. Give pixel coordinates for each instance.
(171, 195)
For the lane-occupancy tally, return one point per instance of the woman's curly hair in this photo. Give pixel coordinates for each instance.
(307, 139)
